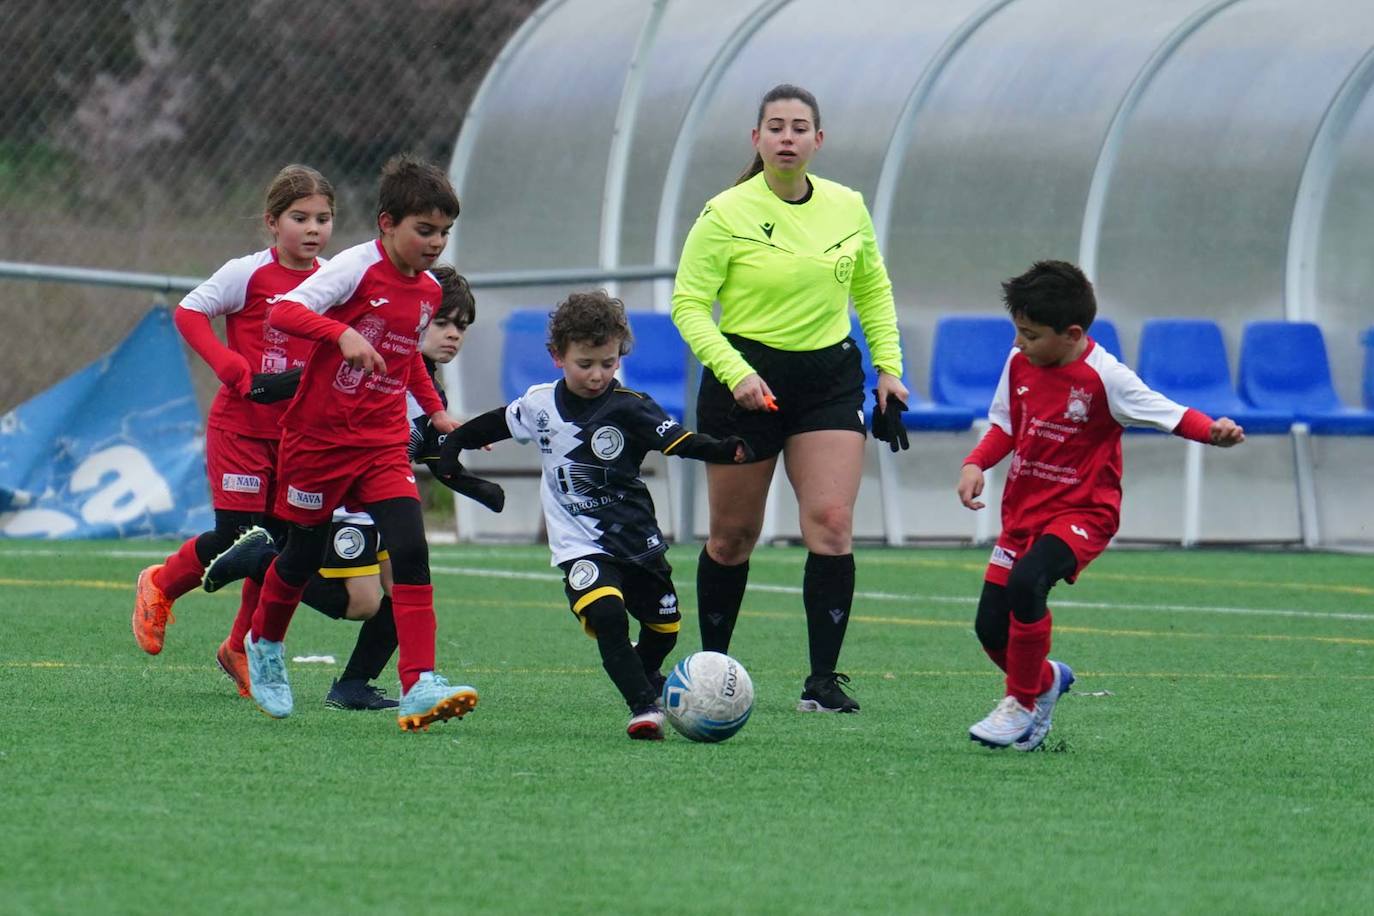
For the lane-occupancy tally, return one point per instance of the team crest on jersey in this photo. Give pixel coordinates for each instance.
(349, 543)
(426, 311)
(582, 575)
(541, 421)
(270, 334)
(373, 328)
(273, 359)
(607, 443)
(1079, 402)
(844, 269)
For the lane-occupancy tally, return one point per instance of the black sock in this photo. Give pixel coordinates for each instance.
(828, 593)
(328, 596)
(653, 647)
(720, 592)
(375, 645)
(608, 619)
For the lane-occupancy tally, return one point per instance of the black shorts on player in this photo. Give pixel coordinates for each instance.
(814, 389)
(601, 592)
(354, 550)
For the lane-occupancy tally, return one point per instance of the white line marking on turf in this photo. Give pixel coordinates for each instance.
(958, 600)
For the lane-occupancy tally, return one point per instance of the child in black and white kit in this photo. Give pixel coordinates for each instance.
(593, 436)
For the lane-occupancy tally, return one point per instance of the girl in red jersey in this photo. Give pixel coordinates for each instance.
(241, 436)
(1060, 409)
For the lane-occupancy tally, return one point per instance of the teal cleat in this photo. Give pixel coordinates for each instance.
(267, 676)
(433, 699)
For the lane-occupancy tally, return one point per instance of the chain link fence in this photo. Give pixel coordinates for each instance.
(141, 135)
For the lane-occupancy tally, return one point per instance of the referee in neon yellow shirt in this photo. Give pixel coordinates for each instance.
(783, 252)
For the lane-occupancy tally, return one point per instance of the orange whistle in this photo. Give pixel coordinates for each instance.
(770, 403)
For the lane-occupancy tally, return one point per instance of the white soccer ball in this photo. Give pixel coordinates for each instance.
(708, 696)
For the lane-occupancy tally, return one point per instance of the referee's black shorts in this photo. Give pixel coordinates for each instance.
(815, 389)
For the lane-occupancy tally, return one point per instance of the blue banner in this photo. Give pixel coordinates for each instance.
(112, 451)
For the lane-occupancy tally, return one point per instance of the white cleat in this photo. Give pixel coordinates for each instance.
(1008, 723)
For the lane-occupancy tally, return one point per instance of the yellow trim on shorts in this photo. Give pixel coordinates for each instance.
(350, 572)
(596, 594)
(671, 627)
(604, 591)
(383, 554)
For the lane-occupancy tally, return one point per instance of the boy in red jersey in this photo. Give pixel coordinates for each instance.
(1060, 409)
(346, 432)
(241, 437)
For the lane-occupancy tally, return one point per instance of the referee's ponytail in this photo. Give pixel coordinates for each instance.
(777, 94)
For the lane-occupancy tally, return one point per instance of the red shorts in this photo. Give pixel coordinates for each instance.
(242, 470)
(1087, 536)
(315, 477)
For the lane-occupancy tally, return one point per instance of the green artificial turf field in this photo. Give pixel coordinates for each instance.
(1214, 755)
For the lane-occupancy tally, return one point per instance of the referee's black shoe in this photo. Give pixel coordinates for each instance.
(358, 694)
(822, 693)
(243, 558)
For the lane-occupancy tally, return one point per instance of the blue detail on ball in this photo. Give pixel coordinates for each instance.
(695, 727)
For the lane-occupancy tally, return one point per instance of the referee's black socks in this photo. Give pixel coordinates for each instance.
(828, 593)
(720, 592)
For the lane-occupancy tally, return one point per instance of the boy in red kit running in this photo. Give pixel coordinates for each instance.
(345, 435)
(1060, 409)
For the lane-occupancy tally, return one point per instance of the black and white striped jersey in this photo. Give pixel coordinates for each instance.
(594, 499)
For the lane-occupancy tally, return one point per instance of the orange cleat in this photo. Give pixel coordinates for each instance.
(234, 663)
(152, 612)
(433, 699)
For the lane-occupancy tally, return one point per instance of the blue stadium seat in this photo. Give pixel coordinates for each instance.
(1104, 332)
(524, 359)
(1283, 366)
(657, 365)
(967, 358)
(1367, 338)
(921, 413)
(1185, 360)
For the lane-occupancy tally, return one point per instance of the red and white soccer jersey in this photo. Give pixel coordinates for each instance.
(243, 291)
(346, 430)
(362, 289)
(1063, 425)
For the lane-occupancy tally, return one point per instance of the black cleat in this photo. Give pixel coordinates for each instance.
(358, 694)
(244, 557)
(822, 693)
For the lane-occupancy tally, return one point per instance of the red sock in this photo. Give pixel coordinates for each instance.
(998, 656)
(181, 572)
(244, 619)
(276, 603)
(1028, 649)
(413, 608)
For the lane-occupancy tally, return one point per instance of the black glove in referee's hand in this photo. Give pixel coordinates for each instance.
(887, 424)
(270, 387)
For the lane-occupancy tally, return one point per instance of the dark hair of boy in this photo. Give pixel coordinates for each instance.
(458, 306)
(592, 318)
(777, 94)
(411, 185)
(1053, 293)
